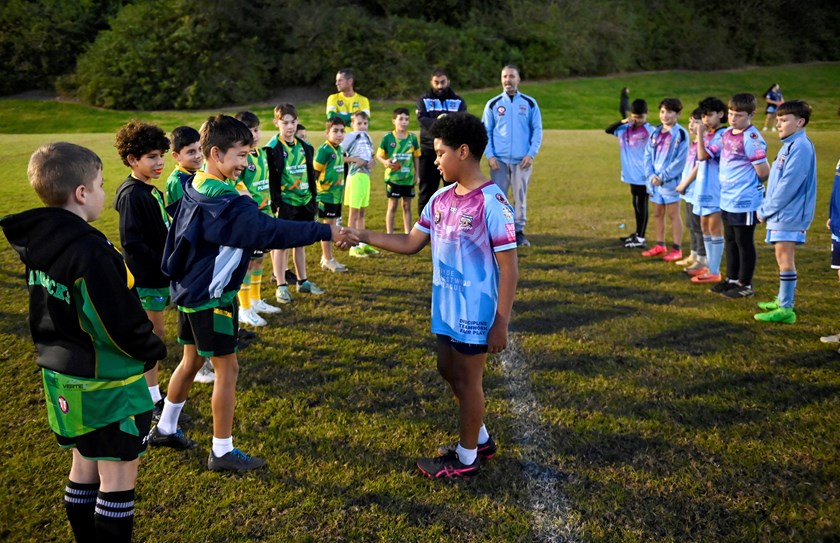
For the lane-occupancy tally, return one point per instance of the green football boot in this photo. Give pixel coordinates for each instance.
(784, 315)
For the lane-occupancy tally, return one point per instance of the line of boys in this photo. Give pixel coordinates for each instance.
(720, 176)
(92, 358)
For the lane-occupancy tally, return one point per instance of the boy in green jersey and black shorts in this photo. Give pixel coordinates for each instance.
(255, 179)
(93, 338)
(329, 163)
(188, 160)
(399, 152)
(291, 181)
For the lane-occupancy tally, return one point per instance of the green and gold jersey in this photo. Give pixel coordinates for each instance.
(339, 105)
(294, 188)
(329, 163)
(175, 184)
(208, 185)
(255, 179)
(400, 151)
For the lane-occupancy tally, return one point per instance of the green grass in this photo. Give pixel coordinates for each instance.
(668, 413)
(569, 104)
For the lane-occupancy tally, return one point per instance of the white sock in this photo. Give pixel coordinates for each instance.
(222, 446)
(483, 436)
(466, 456)
(168, 423)
(155, 392)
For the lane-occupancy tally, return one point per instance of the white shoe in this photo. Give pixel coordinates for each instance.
(205, 374)
(283, 295)
(250, 317)
(831, 339)
(333, 265)
(260, 306)
(764, 129)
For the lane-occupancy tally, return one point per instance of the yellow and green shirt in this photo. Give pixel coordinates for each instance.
(329, 163)
(175, 184)
(255, 179)
(339, 105)
(402, 151)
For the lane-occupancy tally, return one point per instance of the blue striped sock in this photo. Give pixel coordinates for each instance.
(714, 251)
(787, 288)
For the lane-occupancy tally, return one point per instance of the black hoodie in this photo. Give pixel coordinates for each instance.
(142, 231)
(84, 318)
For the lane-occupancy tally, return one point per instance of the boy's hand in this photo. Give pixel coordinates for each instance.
(344, 237)
(372, 163)
(828, 225)
(493, 163)
(497, 337)
(681, 187)
(656, 182)
(526, 162)
(700, 130)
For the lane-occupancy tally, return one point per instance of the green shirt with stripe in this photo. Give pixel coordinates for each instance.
(329, 162)
(255, 179)
(294, 187)
(403, 151)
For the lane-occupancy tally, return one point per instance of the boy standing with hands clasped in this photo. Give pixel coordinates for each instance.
(399, 152)
(788, 208)
(93, 338)
(215, 231)
(329, 163)
(471, 228)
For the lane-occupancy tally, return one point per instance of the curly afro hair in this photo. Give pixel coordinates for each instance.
(137, 138)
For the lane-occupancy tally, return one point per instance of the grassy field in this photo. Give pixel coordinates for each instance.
(636, 406)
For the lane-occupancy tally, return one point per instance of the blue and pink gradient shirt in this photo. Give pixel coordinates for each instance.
(632, 141)
(690, 162)
(741, 190)
(707, 191)
(465, 233)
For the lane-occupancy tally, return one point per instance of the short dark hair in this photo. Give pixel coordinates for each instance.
(136, 138)
(743, 102)
(248, 119)
(285, 109)
(56, 169)
(697, 114)
(440, 72)
(638, 107)
(401, 111)
(512, 67)
(712, 104)
(299, 127)
(671, 104)
(223, 131)
(183, 136)
(335, 121)
(347, 73)
(797, 108)
(457, 129)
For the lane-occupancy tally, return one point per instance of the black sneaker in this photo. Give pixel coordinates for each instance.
(183, 418)
(625, 239)
(177, 441)
(635, 242)
(723, 286)
(235, 460)
(291, 278)
(485, 451)
(521, 240)
(739, 291)
(448, 467)
(246, 335)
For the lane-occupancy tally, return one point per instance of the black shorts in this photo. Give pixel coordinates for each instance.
(463, 348)
(296, 213)
(329, 211)
(399, 191)
(739, 219)
(212, 331)
(835, 255)
(110, 442)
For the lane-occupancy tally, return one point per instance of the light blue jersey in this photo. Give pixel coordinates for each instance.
(690, 162)
(632, 141)
(741, 190)
(665, 156)
(707, 189)
(466, 232)
(792, 187)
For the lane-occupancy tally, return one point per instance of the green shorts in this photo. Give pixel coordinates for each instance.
(357, 190)
(153, 299)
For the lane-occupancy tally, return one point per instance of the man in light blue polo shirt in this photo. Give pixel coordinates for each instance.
(514, 131)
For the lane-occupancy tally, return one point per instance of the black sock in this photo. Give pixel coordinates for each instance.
(301, 281)
(115, 516)
(676, 246)
(79, 502)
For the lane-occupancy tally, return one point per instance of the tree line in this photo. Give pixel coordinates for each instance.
(186, 54)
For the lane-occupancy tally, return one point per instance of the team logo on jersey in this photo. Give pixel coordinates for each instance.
(506, 213)
(500, 197)
(63, 405)
(437, 216)
(332, 156)
(501, 111)
(340, 103)
(393, 144)
(523, 110)
(754, 135)
(252, 167)
(453, 209)
(466, 222)
(285, 154)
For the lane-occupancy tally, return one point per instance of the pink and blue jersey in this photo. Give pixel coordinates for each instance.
(690, 162)
(707, 189)
(465, 233)
(740, 188)
(632, 141)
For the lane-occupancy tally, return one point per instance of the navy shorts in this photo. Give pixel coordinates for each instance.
(399, 191)
(747, 218)
(835, 254)
(111, 442)
(463, 348)
(329, 211)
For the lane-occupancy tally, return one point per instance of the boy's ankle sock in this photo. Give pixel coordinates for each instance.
(483, 436)
(466, 456)
(676, 246)
(155, 392)
(301, 281)
(168, 423)
(222, 446)
(115, 516)
(80, 504)
(256, 285)
(787, 288)
(662, 243)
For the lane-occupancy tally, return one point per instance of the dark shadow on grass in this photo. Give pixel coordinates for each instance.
(702, 337)
(14, 323)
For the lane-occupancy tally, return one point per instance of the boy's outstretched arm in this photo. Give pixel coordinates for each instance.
(497, 337)
(407, 244)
